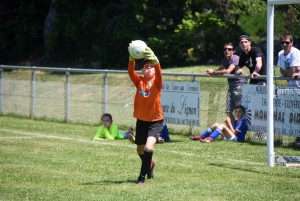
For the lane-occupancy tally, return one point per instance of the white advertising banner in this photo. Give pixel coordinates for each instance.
(181, 103)
(286, 103)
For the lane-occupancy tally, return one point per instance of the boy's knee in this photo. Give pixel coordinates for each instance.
(215, 125)
(221, 126)
(149, 148)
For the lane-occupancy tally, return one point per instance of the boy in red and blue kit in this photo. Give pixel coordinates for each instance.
(147, 110)
(235, 131)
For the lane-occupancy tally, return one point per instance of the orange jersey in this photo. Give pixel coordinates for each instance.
(147, 106)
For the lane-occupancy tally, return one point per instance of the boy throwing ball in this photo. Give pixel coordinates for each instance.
(147, 110)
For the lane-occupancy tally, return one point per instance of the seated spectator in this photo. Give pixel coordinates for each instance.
(230, 132)
(164, 136)
(110, 131)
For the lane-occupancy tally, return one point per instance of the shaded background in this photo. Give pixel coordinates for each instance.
(95, 34)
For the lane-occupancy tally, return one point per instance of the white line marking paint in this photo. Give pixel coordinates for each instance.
(16, 137)
(111, 144)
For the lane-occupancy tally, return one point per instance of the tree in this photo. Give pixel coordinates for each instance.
(21, 28)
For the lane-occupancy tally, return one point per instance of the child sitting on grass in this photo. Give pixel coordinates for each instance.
(230, 132)
(110, 131)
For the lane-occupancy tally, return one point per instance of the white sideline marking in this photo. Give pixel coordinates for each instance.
(106, 143)
(14, 137)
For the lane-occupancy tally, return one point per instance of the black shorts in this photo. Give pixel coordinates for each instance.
(145, 129)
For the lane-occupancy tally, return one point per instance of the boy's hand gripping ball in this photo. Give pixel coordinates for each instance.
(136, 49)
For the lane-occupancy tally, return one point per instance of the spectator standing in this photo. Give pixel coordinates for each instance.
(254, 60)
(289, 63)
(228, 66)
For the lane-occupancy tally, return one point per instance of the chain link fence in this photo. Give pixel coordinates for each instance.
(82, 95)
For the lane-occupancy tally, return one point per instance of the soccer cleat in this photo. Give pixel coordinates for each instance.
(297, 142)
(131, 138)
(150, 174)
(130, 129)
(259, 136)
(262, 136)
(196, 137)
(206, 140)
(161, 140)
(141, 181)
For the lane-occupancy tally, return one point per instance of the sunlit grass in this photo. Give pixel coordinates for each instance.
(57, 161)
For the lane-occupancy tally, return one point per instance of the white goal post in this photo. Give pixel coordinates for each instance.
(270, 93)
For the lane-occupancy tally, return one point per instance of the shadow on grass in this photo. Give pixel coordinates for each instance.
(108, 182)
(228, 166)
(277, 143)
(173, 141)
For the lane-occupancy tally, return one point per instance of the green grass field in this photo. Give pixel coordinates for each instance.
(56, 161)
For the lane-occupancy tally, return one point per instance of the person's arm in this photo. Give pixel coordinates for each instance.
(257, 67)
(289, 71)
(210, 72)
(280, 62)
(108, 135)
(158, 75)
(114, 132)
(226, 71)
(98, 134)
(241, 127)
(296, 75)
(294, 64)
(230, 126)
(149, 54)
(131, 72)
(239, 71)
(284, 72)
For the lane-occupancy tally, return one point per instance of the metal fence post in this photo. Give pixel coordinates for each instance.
(105, 90)
(193, 77)
(1, 86)
(245, 80)
(32, 92)
(192, 128)
(67, 94)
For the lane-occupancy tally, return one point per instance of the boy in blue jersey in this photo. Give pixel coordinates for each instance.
(230, 132)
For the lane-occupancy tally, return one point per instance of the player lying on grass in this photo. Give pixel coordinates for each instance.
(110, 131)
(230, 132)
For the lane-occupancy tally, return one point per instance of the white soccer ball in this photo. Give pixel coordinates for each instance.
(136, 49)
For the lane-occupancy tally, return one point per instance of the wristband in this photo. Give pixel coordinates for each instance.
(214, 72)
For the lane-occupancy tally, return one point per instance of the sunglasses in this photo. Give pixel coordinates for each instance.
(285, 42)
(229, 49)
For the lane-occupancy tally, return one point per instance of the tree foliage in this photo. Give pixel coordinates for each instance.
(21, 29)
(181, 33)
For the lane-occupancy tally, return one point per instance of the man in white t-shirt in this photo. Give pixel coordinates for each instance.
(289, 63)
(289, 59)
